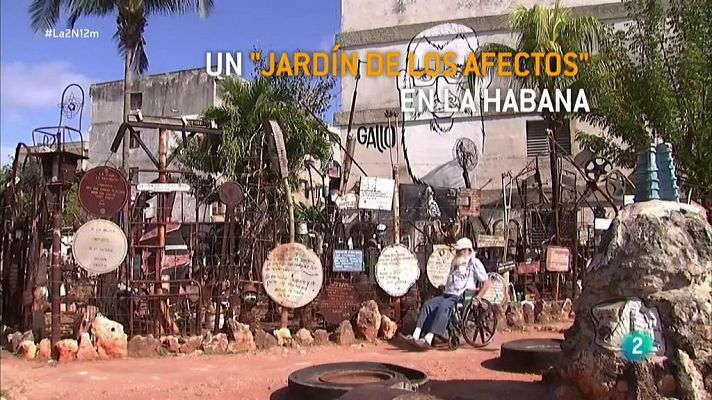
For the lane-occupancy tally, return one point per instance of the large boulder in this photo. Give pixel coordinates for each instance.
(388, 327)
(651, 274)
(264, 340)
(284, 336)
(44, 350)
(217, 344)
(86, 351)
(368, 320)
(528, 311)
(344, 334)
(191, 344)
(515, 316)
(170, 344)
(5, 334)
(111, 341)
(144, 346)
(243, 341)
(13, 341)
(67, 350)
(321, 337)
(28, 350)
(304, 337)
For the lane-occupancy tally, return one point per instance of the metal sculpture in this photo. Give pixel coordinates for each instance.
(646, 176)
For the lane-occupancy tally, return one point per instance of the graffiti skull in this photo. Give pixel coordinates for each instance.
(429, 136)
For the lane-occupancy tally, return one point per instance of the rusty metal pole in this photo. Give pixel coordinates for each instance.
(284, 316)
(161, 220)
(56, 268)
(396, 203)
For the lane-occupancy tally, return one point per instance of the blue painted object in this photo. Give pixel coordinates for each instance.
(666, 173)
(646, 176)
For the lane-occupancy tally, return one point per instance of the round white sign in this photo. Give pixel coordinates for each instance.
(99, 246)
(439, 264)
(397, 270)
(292, 275)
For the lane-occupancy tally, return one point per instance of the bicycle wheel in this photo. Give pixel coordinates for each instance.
(479, 324)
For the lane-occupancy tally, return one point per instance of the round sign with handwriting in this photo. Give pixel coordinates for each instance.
(439, 264)
(397, 270)
(103, 191)
(99, 246)
(292, 275)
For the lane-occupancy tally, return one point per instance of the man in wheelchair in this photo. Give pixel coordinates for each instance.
(466, 271)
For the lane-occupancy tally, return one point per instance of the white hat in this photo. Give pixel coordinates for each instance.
(463, 244)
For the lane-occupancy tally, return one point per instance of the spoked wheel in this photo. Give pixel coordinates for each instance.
(479, 324)
(453, 342)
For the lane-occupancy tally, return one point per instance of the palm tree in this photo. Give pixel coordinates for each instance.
(241, 152)
(131, 20)
(244, 109)
(543, 29)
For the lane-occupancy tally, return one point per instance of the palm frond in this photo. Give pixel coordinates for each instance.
(44, 14)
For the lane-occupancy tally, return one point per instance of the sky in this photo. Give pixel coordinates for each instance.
(34, 70)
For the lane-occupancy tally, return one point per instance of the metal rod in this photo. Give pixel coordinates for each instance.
(56, 269)
(161, 234)
(350, 137)
(284, 316)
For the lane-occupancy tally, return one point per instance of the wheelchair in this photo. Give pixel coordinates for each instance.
(472, 320)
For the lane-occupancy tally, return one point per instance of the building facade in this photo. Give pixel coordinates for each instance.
(177, 94)
(496, 143)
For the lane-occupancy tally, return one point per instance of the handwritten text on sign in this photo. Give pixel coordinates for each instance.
(292, 275)
(557, 259)
(397, 270)
(339, 302)
(99, 246)
(103, 191)
(484, 241)
(376, 193)
(439, 264)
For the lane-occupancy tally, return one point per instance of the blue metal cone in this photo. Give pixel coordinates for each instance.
(666, 172)
(646, 176)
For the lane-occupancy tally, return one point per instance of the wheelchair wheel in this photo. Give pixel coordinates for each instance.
(453, 342)
(479, 324)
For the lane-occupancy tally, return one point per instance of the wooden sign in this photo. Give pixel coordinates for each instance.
(439, 264)
(484, 241)
(103, 191)
(348, 261)
(292, 275)
(349, 201)
(376, 193)
(397, 270)
(532, 267)
(163, 187)
(99, 246)
(278, 149)
(469, 202)
(339, 302)
(557, 259)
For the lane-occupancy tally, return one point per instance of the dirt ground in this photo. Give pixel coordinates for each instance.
(458, 375)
